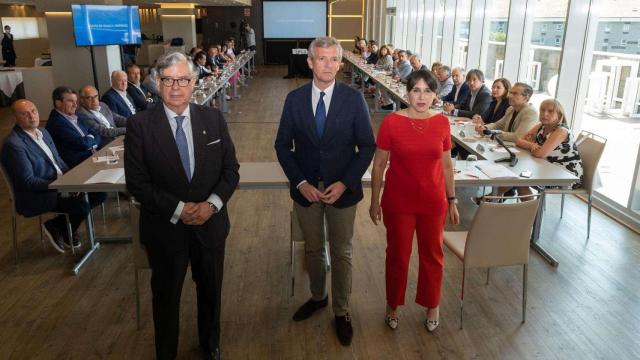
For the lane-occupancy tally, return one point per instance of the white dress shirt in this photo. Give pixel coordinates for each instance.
(39, 139)
(123, 95)
(186, 126)
(101, 117)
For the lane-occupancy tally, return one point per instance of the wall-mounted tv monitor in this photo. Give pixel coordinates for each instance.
(294, 19)
(106, 25)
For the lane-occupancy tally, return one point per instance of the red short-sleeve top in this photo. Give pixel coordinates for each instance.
(414, 182)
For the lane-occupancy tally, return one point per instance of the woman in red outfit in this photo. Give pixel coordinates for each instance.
(418, 194)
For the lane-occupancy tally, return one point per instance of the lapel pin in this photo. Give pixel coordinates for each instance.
(204, 132)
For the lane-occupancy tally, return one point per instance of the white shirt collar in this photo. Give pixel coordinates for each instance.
(121, 93)
(327, 92)
(171, 114)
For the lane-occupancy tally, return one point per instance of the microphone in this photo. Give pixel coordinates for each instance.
(512, 159)
(491, 132)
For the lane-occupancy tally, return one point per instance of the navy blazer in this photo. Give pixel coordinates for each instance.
(139, 98)
(31, 171)
(344, 151)
(480, 105)
(462, 96)
(492, 114)
(116, 104)
(73, 147)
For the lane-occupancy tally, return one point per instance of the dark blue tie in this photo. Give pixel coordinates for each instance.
(321, 115)
(183, 147)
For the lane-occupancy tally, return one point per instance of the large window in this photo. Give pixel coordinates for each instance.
(22, 27)
(461, 43)
(612, 105)
(494, 38)
(540, 66)
(438, 23)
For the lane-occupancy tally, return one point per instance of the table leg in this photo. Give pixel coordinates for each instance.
(91, 235)
(234, 89)
(224, 106)
(535, 235)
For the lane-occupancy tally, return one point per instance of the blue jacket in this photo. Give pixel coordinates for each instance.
(116, 103)
(139, 99)
(31, 171)
(344, 151)
(462, 96)
(72, 146)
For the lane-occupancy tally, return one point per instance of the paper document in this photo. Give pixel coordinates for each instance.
(108, 159)
(501, 150)
(113, 149)
(496, 171)
(108, 176)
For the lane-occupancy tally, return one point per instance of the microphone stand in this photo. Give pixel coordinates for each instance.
(512, 159)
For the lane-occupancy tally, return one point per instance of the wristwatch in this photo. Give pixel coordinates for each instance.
(212, 206)
(452, 199)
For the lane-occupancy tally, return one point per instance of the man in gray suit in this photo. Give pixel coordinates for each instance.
(97, 116)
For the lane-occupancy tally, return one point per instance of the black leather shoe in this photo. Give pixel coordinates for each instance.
(307, 309)
(344, 331)
(52, 233)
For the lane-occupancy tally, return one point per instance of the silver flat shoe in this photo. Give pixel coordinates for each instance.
(431, 325)
(392, 323)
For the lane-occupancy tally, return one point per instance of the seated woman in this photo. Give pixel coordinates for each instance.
(552, 140)
(200, 61)
(519, 118)
(500, 92)
(385, 60)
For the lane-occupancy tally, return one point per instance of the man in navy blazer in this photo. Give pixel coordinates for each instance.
(74, 140)
(117, 98)
(460, 91)
(324, 145)
(135, 89)
(32, 162)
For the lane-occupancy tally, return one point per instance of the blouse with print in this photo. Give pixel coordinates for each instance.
(415, 182)
(566, 154)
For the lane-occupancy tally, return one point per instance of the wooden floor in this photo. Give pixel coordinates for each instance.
(588, 307)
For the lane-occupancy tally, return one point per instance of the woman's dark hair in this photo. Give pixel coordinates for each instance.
(507, 86)
(425, 75)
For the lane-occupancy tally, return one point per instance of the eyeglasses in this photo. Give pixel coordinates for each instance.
(168, 82)
(90, 97)
(514, 93)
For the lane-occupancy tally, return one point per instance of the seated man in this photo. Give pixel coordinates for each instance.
(445, 82)
(140, 95)
(460, 90)
(213, 60)
(416, 64)
(479, 98)
(97, 116)
(400, 73)
(32, 162)
(74, 140)
(117, 98)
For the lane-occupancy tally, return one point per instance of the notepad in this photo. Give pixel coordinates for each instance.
(108, 176)
(109, 159)
(496, 171)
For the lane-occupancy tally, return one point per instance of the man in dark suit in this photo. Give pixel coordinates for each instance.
(117, 98)
(140, 95)
(32, 162)
(324, 145)
(460, 91)
(180, 164)
(97, 116)
(74, 140)
(479, 98)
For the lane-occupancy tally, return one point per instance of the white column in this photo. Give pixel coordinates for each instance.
(476, 31)
(515, 40)
(448, 32)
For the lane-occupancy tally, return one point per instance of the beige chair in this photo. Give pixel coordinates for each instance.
(14, 216)
(590, 147)
(140, 259)
(499, 236)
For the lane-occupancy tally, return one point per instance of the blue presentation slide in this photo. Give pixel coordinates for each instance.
(106, 24)
(294, 19)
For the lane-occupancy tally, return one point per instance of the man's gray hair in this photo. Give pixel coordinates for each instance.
(168, 60)
(324, 42)
(458, 68)
(115, 73)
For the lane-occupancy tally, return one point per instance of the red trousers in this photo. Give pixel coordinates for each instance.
(429, 230)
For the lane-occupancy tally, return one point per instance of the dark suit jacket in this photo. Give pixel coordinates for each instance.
(492, 114)
(462, 96)
(156, 178)
(342, 154)
(480, 105)
(116, 104)
(139, 98)
(73, 147)
(92, 122)
(31, 171)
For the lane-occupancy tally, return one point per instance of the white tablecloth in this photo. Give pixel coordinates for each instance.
(9, 80)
